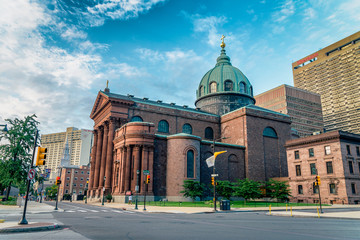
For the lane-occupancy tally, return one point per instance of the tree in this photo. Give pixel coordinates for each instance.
(278, 189)
(248, 189)
(16, 152)
(224, 189)
(51, 191)
(193, 189)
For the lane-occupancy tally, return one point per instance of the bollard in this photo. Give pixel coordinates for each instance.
(286, 207)
(291, 210)
(270, 209)
(318, 212)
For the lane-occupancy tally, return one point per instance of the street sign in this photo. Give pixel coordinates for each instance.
(146, 172)
(214, 175)
(137, 188)
(31, 174)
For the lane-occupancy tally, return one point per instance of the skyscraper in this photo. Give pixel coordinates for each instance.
(78, 142)
(333, 72)
(302, 106)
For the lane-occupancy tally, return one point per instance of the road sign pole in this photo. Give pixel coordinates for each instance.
(23, 219)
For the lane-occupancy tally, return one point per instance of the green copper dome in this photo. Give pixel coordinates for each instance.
(224, 78)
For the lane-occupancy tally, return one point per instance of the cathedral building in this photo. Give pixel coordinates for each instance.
(133, 136)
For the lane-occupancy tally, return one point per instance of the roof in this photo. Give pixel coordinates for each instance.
(156, 103)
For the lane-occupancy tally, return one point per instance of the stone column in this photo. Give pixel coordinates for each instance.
(144, 166)
(151, 164)
(128, 168)
(92, 163)
(136, 166)
(122, 169)
(109, 157)
(98, 158)
(103, 156)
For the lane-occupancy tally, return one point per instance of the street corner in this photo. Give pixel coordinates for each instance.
(14, 227)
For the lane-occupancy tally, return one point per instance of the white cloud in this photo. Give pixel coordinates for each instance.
(118, 9)
(286, 10)
(309, 14)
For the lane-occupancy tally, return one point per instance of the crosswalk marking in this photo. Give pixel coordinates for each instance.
(104, 210)
(94, 210)
(81, 210)
(70, 211)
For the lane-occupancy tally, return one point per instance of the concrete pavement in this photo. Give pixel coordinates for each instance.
(35, 207)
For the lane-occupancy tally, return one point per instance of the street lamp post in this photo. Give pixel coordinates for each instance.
(137, 189)
(103, 198)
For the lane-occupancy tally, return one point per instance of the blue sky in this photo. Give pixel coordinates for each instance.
(56, 55)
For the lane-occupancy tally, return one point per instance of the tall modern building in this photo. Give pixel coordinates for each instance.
(302, 106)
(78, 142)
(333, 72)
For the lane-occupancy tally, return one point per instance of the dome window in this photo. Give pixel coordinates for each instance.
(251, 91)
(201, 91)
(213, 87)
(187, 128)
(136, 119)
(242, 87)
(209, 133)
(163, 126)
(228, 85)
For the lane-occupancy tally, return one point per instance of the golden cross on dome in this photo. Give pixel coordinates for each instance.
(222, 38)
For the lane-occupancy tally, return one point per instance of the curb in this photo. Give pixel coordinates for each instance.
(52, 226)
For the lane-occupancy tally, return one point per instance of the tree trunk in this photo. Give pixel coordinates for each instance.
(8, 191)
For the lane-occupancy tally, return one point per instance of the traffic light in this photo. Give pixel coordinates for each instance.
(212, 181)
(41, 156)
(147, 179)
(58, 181)
(318, 182)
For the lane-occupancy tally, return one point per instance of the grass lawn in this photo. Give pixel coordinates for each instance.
(234, 204)
(10, 201)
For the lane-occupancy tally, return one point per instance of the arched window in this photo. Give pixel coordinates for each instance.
(163, 126)
(187, 128)
(209, 133)
(269, 132)
(136, 119)
(190, 164)
(213, 87)
(251, 91)
(242, 87)
(228, 85)
(201, 91)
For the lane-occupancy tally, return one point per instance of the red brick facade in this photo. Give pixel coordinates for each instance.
(252, 136)
(331, 154)
(73, 181)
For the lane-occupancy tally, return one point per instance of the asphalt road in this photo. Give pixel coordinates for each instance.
(95, 222)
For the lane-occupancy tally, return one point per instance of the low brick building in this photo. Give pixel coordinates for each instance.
(335, 157)
(73, 181)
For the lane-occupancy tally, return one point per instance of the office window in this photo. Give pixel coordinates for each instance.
(74, 191)
(332, 188)
(311, 152)
(82, 172)
(351, 167)
(327, 150)
(67, 178)
(68, 171)
(66, 191)
(358, 151)
(81, 185)
(82, 179)
(329, 167)
(297, 155)
(75, 178)
(76, 172)
(298, 170)
(353, 188)
(74, 184)
(80, 192)
(67, 184)
(313, 170)
(348, 150)
(300, 189)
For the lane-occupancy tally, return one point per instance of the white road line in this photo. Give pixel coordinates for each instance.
(69, 211)
(82, 210)
(94, 210)
(104, 210)
(117, 211)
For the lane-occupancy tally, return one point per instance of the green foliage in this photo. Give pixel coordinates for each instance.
(16, 152)
(247, 189)
(224, 189)
(108, 197)
(278, 189)
(51, 191)
(193, 189)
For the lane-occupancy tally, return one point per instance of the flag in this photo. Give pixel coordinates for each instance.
(210, 161)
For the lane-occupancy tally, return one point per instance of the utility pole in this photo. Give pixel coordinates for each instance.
(23, 219)
(137, 189)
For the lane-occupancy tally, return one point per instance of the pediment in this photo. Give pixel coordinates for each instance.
(100, 101)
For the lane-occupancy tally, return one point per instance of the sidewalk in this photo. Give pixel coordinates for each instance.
(32, 208)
